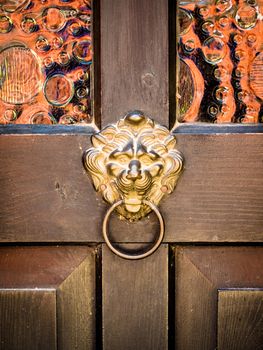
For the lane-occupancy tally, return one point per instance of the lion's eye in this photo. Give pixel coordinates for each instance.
(123, 159)
(145, 159)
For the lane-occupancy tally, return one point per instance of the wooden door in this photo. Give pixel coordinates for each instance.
(60, 286)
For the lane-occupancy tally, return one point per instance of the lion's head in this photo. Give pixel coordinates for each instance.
(134, 159)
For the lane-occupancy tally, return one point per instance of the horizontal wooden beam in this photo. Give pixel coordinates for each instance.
(46, 195)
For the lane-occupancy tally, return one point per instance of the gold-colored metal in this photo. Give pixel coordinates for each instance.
(132, 161)
(126, 255)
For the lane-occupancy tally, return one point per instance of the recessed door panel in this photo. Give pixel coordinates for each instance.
(218, 297)
(47, 298)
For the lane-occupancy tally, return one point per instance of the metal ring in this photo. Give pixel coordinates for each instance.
(130, 256)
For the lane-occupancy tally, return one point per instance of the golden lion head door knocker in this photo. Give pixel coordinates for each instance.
(134, 164)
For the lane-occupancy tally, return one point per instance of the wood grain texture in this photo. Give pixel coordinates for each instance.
(200, 273)
(47, 196)
(71, 274)
(28, 319)
(134, 58)
(48, 190)
(76, 308)
(135, 302)
(240, 319)
(219, 197)
(193, 317)
(42, 267)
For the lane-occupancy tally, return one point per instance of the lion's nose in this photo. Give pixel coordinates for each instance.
(134, 171)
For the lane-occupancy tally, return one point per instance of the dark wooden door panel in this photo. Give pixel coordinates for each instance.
(135, 302)
(28, 319)
(240, 319)
(47, 298)
(46, 196)
(204, 310)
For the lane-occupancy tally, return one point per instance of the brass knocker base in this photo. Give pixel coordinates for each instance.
(134, 164)
(131, 256)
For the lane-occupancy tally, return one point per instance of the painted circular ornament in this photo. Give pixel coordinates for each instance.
(20, 75)
(256, 76)
(214, 50)
(82, 51)
(53, 19)
(185, 21)
(58, 90)
(246, 17)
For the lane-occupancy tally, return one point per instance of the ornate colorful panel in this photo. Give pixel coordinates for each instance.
(45, 61)
(221, 61)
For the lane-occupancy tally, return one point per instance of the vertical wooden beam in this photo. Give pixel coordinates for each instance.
(135, 301)
(134, 58)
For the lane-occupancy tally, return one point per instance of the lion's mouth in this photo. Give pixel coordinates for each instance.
(132, 204)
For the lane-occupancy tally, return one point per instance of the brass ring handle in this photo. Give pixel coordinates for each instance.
(130, 256)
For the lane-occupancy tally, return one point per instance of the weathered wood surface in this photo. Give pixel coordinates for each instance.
(135, 301)
(200, 273)
(134, 58)
(46, 195)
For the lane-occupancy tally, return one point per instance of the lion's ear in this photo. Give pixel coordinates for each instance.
(173, 167)
(93, 162)
(170, 142)
(178, 161)
(105, 137)
(98, 141)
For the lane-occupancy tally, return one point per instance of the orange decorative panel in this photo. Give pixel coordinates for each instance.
(45, 61)
(221, 61)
